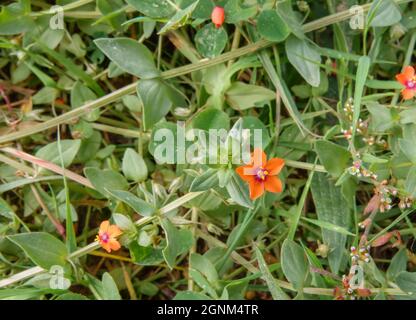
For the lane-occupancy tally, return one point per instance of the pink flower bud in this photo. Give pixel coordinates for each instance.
(217, 16)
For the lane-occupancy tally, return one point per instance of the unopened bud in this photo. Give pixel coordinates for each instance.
(322, 250)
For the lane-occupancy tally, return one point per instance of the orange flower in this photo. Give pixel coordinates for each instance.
(217, 16)
(107, 236)
(408, 79)
(261, 174)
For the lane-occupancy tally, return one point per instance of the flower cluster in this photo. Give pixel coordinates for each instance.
(360, 254)
(349, 292)
(362, 127)
(384, 198)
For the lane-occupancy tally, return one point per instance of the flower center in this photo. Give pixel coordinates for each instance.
(105, 237)
(261, 174)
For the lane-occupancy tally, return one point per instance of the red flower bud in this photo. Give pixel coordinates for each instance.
(217, 16)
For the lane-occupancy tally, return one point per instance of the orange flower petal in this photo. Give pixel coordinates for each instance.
(246, 173)
(256, 189)
(258, 158)
(106, 246)
(273, 184)
(408, 93)
(104, 226)
(401, 78)
(274, 166)
(114, 231)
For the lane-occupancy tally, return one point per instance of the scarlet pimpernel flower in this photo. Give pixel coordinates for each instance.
(408, 79)
(107, 236)
(261, 174)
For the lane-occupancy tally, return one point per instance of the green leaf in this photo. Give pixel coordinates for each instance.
(153, 8)
(334, 158)
(243, 96)
(302, 91)
(410, 183)
(408, 147)
(407, 282)
(145, 256)
(397, 264)
(331, 207)
(125, 223)
(42, 248)
(276, 292)
(14, 19)
(203, 9)
(381, 117)
(156, 97)
(206, 181)
(202, 282)
(211, 41)
(369, 158)
(179, 18)
(294, 263)
(408, 116)
(133, 166)
(130, 56)
(383, 13)
(362, 72)
(271, 26)
(177, 242)
(204, 266)
(46, 95)
(107, 179)
(305, 58)
(329, 226)
(253, 123)
(137, 204)
(234, 12)
(109, 290)
(50, 152)
(112, 15)
(238, 191)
